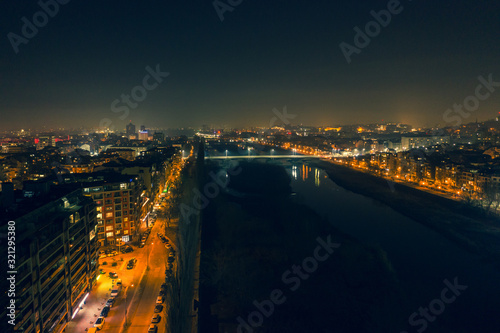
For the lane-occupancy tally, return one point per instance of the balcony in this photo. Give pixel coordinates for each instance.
(48, 265)
(47, 278)
(77, 276)
(77, 265)
(24, 320)
(52, 294)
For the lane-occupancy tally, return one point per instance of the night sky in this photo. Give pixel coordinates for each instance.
(263, 55)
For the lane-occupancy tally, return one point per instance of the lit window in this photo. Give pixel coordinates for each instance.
(109, 228)
(109, 234)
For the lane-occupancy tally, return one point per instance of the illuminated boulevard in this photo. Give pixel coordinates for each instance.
(134, 307)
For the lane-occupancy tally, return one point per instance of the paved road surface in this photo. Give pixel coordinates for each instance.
(138, 298)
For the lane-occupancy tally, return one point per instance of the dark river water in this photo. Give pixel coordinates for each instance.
(422, 258)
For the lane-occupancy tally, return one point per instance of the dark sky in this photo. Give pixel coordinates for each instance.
(264, 55)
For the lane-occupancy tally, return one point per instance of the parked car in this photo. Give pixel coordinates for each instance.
(127, 249)
(160, 300)
(142, 245)
(158, 308)
(102, 271)
(99, 323)
(152, 328)
(171, 259)
(119, 282)
(130, 265)
(105, 311)
(112, 253)
(163, 292)
(156, 319)
(115, 291)
(113, 275)
(110, 302)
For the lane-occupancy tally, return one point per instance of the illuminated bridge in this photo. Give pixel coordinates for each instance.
(223, 157)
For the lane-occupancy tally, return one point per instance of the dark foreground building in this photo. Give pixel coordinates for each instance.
(56, 259)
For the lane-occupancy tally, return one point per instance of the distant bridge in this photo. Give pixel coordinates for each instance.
(223, 157)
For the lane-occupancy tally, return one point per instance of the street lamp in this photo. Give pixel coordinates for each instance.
(272, 152)
(226, 153)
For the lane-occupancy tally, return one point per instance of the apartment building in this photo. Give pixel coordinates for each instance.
(118, 205)
(411, 142)
(56, 257)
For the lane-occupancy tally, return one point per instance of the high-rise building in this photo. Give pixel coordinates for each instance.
(116, 200)
(143, 128)
(43, 141)
(130, 129)
(143, 135)
(56, 258)
(158, 137)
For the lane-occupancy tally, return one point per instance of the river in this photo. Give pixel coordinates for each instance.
(422, 258)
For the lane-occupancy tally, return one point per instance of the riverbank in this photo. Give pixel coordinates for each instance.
(251, 243)
(469, 228)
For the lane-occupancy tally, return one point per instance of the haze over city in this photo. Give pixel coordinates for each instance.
(234, 72)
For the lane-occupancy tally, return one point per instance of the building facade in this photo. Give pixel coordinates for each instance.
(56, 262)
(116, 207)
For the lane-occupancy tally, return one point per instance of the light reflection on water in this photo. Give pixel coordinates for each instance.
(421, 257)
